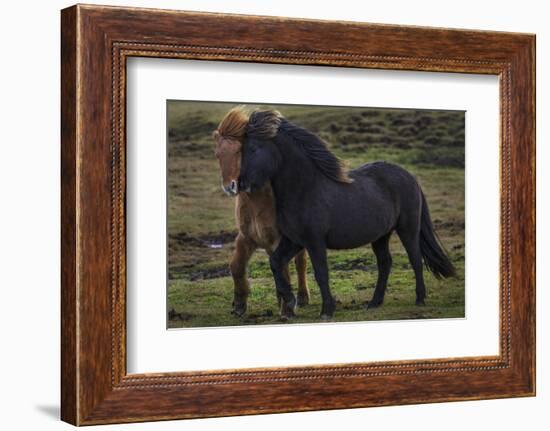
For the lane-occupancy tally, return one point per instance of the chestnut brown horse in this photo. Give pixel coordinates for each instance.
(254, 213)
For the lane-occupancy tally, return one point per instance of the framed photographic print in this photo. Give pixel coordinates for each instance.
(324, 214)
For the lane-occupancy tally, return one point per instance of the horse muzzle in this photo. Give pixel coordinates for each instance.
(232, 189)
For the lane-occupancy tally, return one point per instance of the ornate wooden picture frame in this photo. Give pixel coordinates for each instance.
(96, 42)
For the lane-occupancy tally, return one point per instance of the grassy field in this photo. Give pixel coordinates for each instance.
(201, 225)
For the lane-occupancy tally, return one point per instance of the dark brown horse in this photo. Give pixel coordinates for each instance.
(321, 206)
(254, 213)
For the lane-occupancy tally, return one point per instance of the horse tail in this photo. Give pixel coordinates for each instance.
(434, 254)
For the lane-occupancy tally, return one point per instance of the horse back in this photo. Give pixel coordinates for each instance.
(387, 178)
(391, 184)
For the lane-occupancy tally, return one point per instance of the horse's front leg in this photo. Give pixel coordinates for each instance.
(318, 255)
(278, 261)
(286, 275)
(244, 248)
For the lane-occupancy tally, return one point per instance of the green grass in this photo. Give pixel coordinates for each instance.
(430, 144)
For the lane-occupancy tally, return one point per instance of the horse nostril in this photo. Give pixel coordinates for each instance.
(233, 186)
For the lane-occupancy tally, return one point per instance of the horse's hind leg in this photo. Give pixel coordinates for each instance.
(301, 270)
(286, 275)
(411, 242)
(381, 249)
(244, 249)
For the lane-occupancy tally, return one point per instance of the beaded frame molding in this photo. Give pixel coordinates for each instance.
(95, 43)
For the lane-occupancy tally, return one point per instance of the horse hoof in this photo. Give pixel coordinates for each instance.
(238, 313)
(327, 310)
(303, 301)
(238, 310)
(372, 304)
(420, 302)
(287, 313)
(288, 308)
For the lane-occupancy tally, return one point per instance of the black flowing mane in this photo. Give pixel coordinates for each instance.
(269, 124)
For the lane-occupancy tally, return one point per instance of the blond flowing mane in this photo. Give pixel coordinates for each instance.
(233, 125)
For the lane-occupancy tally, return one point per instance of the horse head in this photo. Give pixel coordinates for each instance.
(228, 138)
(228, 153)
(261, 156)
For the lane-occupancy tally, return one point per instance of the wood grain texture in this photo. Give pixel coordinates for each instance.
(69, 366)
(96, 41)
